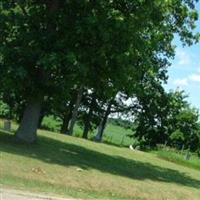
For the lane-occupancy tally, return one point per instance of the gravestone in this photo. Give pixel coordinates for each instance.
(7, 125)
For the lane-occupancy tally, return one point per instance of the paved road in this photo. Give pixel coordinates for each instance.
(7, 194)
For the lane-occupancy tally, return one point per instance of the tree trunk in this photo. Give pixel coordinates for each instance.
(66, 120)
(99, 134)
(86, 129)
(102, 124)
(29, 124)
(88, 118)
(75, 111)
(67, 117)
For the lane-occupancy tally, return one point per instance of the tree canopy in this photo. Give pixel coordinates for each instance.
(49, 47)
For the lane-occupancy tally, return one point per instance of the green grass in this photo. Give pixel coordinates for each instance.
(113, 134)
(193, 162)
(117, 135)
(75, 167)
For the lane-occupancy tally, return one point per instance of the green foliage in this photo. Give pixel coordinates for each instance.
(177, 138)
(167, 118)
(187, 122)
(51, 123)
(4, 110)
(109, 46)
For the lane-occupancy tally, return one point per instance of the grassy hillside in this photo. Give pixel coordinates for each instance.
(79, 168)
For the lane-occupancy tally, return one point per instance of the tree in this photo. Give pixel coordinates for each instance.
(66, 116)
(167, 118)
(75, 110)
(150, 112)
(88, 116)
(50, 46)
(187, 123)
(103, 122)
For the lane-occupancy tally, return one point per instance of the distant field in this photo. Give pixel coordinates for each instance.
(113, 134)
(118, 135)
(74, 167)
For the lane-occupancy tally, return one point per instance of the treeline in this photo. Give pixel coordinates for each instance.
(82, 61)
(170, 121)
(173, 123)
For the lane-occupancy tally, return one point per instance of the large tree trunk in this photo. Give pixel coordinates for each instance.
(88, 118)
(102, 124)
(75, 111)
(27, 130)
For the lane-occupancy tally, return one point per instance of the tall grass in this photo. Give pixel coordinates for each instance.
(179, 158)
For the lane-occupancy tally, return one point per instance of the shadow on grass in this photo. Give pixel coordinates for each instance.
(66, 154)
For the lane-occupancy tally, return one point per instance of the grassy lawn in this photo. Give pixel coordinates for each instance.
(83, 169)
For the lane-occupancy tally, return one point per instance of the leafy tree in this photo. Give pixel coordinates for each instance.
(187, 123)
(150, 113)
(47, 47)
(167, 119)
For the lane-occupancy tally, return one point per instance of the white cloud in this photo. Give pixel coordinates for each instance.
(195, 77)
(181, 82)
(190, 79)
(183, 57)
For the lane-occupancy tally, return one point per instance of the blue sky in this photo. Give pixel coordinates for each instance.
(185, 70)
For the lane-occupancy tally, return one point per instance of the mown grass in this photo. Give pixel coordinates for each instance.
(83, 169)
